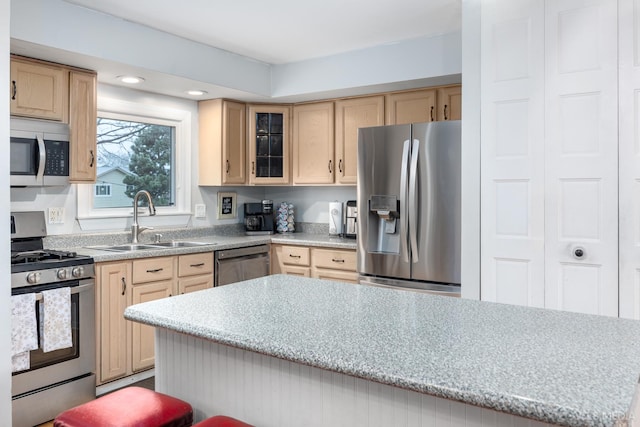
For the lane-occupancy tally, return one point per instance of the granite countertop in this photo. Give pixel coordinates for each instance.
(553, 366)
(215, 243)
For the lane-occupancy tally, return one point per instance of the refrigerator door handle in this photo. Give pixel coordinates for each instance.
(403, 200)
(413, 202)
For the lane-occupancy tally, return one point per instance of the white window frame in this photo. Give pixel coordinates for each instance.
(91, 218)
(108, 193)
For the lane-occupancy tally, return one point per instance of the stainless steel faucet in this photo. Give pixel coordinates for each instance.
(135, 228)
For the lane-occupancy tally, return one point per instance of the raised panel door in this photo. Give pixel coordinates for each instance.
(629, 157)
(221, 143)
(410, 107)
(195, 283)
(234, 143)
(82, 126)
(313, 143)
(352, 114)
(581, 151)
(512, 169)
(38, 90)
(449, 103)
(113, 283)
(142, 351)
(336, 275)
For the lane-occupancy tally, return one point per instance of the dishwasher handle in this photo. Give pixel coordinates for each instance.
(242, 252)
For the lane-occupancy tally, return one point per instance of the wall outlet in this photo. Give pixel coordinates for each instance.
(56, 215)
(201, 211)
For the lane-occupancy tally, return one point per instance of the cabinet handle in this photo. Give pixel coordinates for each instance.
(93, 157)
(340, 165)
(330, 171)
(155, 270)
(294, 256)
(197, 265)
(253, 168)
(124, 286)
(227, 166)
(431, 113)
(337, 260)
(14, 91)
(445, 112)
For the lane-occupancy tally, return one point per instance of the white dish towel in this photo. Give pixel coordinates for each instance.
(24, 330)
(55, 319)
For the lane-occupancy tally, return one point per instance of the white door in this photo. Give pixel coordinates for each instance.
(512, 152)
(581, 156)
(629, 101)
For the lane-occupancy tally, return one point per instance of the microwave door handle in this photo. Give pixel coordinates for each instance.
(413, 201)
(42, 158)
(404, 196)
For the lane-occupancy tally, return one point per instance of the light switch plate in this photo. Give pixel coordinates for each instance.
(56, 215)
(201, 211)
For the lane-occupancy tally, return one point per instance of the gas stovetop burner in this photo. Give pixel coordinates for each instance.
(40, 255)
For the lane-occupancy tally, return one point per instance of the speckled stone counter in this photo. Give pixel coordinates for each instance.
(556, 367)
(82, 244)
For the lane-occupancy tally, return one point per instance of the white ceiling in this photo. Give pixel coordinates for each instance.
(284, 31)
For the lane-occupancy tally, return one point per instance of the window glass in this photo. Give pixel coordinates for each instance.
(133, 156)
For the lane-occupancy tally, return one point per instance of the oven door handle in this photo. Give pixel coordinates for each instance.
(74, 290)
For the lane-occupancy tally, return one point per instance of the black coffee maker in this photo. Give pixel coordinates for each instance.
(258, 218)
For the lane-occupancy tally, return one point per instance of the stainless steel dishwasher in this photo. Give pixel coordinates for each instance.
(236, 265)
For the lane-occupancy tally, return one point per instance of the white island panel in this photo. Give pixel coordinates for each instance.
(269, 392)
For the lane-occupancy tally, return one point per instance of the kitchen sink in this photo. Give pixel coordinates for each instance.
(149, 246)
(181, 244)
(125, 248)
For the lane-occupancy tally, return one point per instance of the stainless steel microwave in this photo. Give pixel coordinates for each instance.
(39, 154)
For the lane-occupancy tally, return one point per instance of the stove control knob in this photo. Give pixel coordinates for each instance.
(61, 274)
(33, 278)
(77, 271)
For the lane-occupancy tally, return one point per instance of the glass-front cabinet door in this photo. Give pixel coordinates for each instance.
(269, 144)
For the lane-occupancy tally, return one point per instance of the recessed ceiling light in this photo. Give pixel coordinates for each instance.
(130, 79)
(196, 92)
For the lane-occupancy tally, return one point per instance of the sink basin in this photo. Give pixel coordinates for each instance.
(149, 246)
(126, 248)
(180, 244)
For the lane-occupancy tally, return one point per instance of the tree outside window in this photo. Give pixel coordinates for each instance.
(135, 156)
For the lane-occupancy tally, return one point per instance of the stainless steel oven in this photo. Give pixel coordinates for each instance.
(60, 379)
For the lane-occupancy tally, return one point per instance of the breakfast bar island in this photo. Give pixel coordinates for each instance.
(291, 351)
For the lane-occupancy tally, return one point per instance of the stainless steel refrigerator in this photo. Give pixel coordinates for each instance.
(409, 206)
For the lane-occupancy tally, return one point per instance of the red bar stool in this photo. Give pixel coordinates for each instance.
(221, 421)
(129, 407)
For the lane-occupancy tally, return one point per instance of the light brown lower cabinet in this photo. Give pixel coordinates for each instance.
(319, 263)
(123, 347)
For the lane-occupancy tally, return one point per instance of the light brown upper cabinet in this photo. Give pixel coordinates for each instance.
(82, 126)
(411, 107)
(268, 141)
(222, 152)
(424, 105)
(352, 114)
(313, 143)
(39, 90)
(43, 90)
(449, 103)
